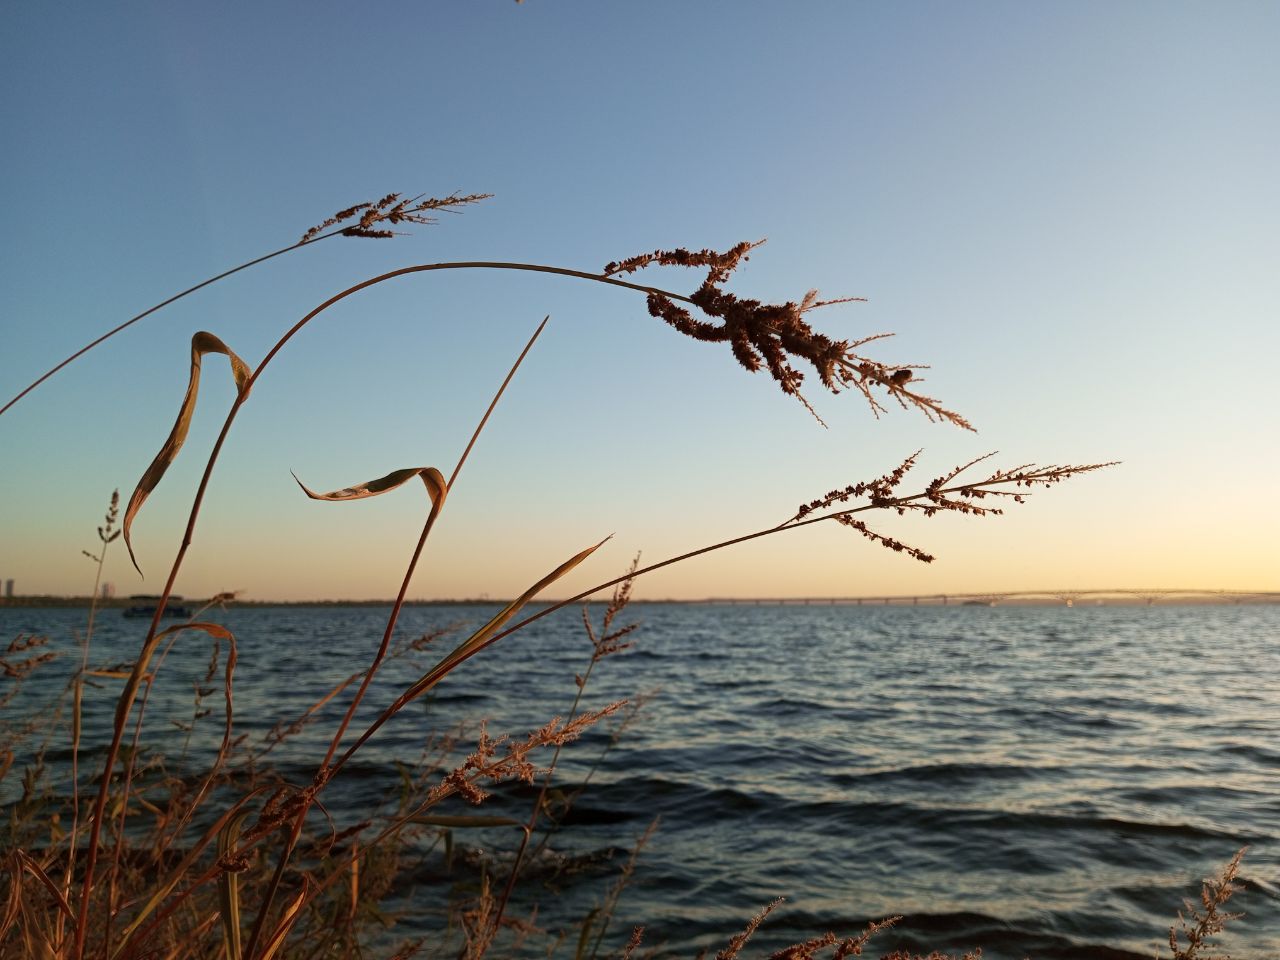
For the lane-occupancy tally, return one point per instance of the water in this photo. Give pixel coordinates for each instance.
(1043, 782)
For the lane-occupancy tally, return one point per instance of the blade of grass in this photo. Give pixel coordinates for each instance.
(124, 705)
(13, 906)
(437, 502)
(34, 869)
(585, 936)
(467, 649)
(202, 343)
(325, 770)
(113, 750)
(198, 501)
(229, 888)
(290, 917)
(176, 876)
(134, 750)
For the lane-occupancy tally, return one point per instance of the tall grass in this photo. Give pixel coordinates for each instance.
(231, 860)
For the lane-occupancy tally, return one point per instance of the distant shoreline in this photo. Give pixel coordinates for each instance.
(1088, 599)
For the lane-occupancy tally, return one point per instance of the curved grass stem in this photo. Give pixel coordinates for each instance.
(160, 306)
(330, 767)
(113, 749)
(324, 772)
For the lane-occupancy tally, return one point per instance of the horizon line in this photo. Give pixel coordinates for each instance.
(1066, 596)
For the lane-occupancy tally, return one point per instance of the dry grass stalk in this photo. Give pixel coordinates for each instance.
(405, 212)
(20, 659)
(633, 943)
(478, 927)
(1198, 928)
(740, 940)
(840, 947)
(610, 905)
(390, 209)
(609, 641)
(603, 644)
(156, 891)
(929, 501)
(771, 335)
(282, 731)
(942, 494)
(487, 765)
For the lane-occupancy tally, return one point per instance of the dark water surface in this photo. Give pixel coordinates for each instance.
(1043, 782)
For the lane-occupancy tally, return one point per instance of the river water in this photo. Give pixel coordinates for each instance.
(1036, 781)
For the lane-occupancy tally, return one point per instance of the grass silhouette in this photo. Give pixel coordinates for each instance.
(233, 861)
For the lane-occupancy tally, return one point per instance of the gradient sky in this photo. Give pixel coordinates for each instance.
(1071, 210)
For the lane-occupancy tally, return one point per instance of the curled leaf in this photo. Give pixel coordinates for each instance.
(139, 672)
(202, 343)
(432, 479)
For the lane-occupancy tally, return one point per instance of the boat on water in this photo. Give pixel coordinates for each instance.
(144, 605)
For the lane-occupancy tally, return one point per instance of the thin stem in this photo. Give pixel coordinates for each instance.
(403, 699)
(475, 435)
(890, 504)
(113, 750)
(76, 721)
(780, 528)
(417, 553)
(161, 305)
(537, 806)
(260, 920)
(570, 799)
(394, 617)
(615, 894)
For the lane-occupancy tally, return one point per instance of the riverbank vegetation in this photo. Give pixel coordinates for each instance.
(125, 852)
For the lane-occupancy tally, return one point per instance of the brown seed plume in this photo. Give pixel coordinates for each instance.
(393, 210)
(943, 493)
(773, 335)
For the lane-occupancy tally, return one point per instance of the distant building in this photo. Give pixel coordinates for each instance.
(8, 588)
(108, 591)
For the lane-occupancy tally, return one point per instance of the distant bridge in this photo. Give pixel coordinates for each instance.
(1066, 597)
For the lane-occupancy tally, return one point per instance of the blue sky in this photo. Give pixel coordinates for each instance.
(1069, 210)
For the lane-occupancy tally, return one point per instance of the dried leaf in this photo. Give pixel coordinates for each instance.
(432, 478)
(291, 914)
(202, 343)
(35, 870)
(139, 672)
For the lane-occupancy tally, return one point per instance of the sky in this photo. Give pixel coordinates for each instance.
(1069, 210)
